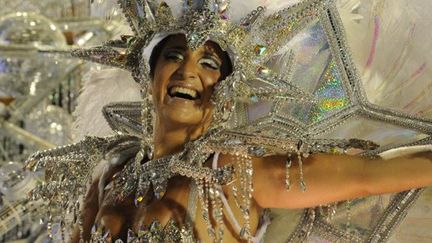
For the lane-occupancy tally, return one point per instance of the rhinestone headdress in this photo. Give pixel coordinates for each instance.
(246, 41)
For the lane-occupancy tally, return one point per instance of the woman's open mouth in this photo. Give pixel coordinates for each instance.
(183, 93)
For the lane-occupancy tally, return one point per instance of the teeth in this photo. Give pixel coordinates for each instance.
(181, 90)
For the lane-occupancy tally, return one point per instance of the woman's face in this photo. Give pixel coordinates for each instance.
(183, 82)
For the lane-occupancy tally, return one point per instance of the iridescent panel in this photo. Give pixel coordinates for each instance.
(311, 56)
(331, 95)
(316, 71)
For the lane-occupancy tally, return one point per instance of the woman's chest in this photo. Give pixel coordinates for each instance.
(182, 205)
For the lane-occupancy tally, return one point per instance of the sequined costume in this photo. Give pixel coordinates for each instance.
(293, 89)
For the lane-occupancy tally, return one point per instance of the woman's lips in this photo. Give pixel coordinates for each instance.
(182, 97)
(183, 93)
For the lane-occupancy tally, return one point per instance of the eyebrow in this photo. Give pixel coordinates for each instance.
(206, 52)
(179, 48)
(213, 54)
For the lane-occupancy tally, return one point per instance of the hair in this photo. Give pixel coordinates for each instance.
(226, 68)
(156, 52)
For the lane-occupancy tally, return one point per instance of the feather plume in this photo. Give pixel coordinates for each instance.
(100, 88)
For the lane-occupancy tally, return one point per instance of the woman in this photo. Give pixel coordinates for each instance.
(182, 86)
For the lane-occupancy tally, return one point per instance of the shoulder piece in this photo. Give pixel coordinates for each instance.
(70, 168)
(124, 117)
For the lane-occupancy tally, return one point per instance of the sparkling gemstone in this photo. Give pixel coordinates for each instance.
(249, 172)
(194, 37)
(254, 99)
(139, 199)
(153, 174)
(256, 151)
(264, 72)
(260, 50)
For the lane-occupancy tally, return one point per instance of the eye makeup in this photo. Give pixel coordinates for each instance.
(173, 54)
(210, 62)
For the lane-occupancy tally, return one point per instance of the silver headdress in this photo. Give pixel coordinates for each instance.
(267, 73)
(247, 41)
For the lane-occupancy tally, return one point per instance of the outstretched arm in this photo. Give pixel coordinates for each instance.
(331, 178)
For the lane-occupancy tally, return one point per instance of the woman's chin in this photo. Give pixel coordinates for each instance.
(179, 117)
(176, 113)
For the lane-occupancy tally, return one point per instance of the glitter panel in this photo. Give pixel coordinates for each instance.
(316, 71)
(332, 96)
(311, 56)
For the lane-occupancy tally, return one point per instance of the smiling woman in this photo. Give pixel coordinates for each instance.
(184, 81)
(190, 154)
(182, 87)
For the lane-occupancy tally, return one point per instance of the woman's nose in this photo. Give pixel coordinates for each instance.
(187, 70)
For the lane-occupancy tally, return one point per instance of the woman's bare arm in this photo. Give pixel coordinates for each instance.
(113, 216)
(331, 178)
(88, 212)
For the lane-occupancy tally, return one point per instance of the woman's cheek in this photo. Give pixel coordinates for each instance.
(211, 78)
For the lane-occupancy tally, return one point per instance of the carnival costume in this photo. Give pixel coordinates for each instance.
(293, 87)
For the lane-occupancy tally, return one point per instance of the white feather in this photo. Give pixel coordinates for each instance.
(100, 88)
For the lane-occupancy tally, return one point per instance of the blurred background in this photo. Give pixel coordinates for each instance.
(39, 85)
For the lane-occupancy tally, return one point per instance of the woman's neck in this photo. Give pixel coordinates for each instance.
(166, 143)
(170, 140)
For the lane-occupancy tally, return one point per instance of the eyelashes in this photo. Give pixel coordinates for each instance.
(174, 55)
(207, 61)
(210, 63)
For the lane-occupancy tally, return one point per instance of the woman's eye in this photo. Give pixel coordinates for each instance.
(210, 63)
(173, 55)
